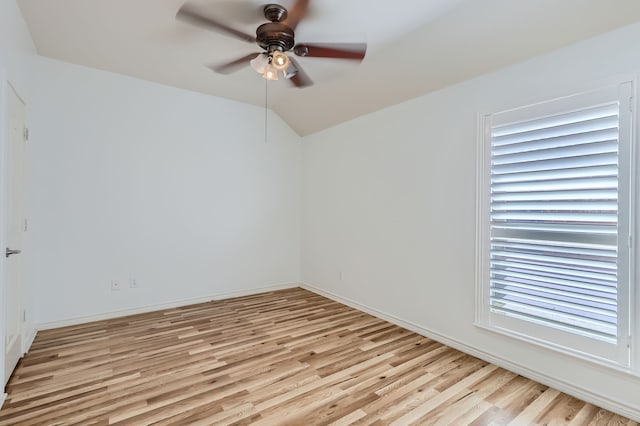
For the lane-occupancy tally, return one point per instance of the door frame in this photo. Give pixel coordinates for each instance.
(17, 348)
(27, 334)
(3, 216)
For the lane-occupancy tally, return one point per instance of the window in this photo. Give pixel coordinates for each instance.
(554, 223)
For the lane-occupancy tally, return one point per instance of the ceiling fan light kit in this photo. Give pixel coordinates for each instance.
(276, 38)
(268, 65)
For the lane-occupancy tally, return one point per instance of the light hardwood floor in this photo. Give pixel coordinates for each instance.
(286, 357)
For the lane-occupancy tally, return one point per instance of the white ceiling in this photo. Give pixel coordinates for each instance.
(414, 46)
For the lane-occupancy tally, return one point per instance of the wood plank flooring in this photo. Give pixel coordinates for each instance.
(286, 357)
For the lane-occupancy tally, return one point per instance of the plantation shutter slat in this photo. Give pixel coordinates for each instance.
(554, 220)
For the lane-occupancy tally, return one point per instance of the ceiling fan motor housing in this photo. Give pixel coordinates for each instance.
(275, 36)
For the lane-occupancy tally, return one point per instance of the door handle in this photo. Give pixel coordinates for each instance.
(9, 252)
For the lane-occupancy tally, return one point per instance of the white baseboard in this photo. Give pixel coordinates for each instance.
(3, 396)
(583, 394)
(29, 340)
(159, 307)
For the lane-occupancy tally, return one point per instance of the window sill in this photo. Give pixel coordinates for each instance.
(592, 359)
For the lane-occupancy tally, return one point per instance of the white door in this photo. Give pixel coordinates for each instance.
(15, 227)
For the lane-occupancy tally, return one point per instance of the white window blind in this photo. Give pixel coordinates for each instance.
(554, 185)
(557, 223)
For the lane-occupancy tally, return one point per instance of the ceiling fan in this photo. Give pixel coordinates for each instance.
(276, 38)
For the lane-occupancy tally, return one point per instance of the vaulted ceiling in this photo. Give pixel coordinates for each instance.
(414, 46)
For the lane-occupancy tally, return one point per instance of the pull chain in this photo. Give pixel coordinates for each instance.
(266, 107)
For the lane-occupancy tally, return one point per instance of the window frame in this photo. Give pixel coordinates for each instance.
(622, 353)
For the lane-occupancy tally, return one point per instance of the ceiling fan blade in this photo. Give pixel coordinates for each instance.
(300, 78)
(232, 66)
(188, 14)
(354, 51)
(296, 13)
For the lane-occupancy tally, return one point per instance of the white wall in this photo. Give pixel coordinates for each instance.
(14, 34)
(130, 179)
(16, 46)
(389, 210)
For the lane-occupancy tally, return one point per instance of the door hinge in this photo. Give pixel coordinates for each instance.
(24, 315)
(630, 242)
(26, 134)
(631, 103)
(26, 225)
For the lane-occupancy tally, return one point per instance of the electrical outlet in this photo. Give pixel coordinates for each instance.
(133, 283)
(115, 285)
